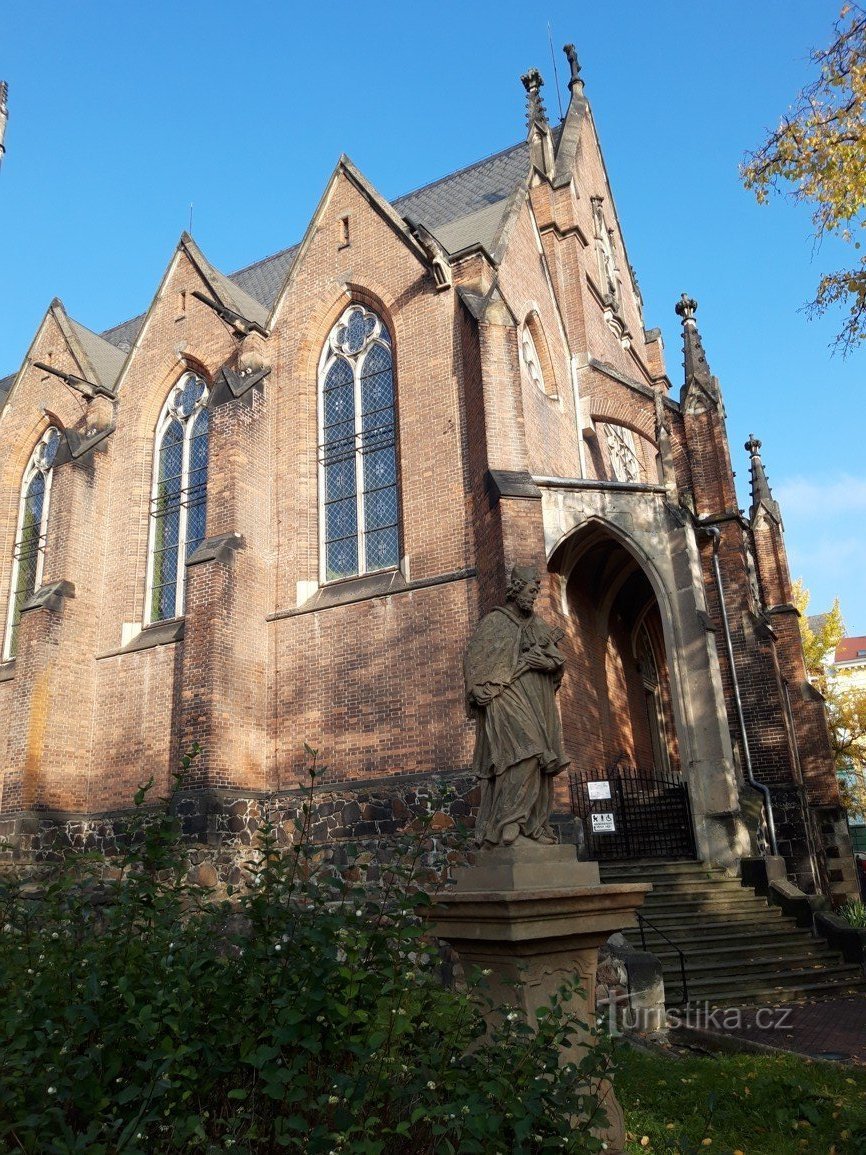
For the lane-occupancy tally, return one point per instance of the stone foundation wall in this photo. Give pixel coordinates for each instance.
(360, 827)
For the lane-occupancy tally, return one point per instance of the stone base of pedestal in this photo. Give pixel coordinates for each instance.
(534, 917)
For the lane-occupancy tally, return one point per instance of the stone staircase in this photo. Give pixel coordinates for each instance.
(738, 949)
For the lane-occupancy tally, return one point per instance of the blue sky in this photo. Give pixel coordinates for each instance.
(121, 115)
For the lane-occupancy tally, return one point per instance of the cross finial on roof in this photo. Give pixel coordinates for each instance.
(535, 113)
(575, 82)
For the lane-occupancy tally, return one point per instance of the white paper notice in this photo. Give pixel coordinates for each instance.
(598, 790)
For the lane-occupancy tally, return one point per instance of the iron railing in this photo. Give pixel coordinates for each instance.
(644, 922)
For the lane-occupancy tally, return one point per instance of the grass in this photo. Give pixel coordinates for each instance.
(753, 1104)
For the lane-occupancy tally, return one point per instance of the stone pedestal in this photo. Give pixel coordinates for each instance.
(535, 917)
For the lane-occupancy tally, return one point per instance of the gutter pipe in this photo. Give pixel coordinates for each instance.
(713, 532)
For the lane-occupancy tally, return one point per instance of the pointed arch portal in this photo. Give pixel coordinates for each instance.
(617, 705)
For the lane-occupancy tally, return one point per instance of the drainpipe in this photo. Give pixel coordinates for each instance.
(798, 766)
(713, 532)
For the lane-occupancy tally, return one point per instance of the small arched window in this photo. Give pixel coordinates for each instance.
(178, 506)
(29, 551)
(359, 505)
(531, 359)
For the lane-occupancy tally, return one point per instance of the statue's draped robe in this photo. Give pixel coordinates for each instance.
(518, 747)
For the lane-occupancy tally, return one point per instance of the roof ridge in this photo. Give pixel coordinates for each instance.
(457, 172)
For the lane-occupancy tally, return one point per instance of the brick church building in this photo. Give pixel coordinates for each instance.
(272, 509)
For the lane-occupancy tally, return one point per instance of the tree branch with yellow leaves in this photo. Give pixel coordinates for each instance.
(817, 156)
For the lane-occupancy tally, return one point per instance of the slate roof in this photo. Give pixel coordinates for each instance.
(264, 279)
(106, 360)
(462, 208)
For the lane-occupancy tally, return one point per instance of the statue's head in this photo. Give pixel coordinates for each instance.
(523, 586)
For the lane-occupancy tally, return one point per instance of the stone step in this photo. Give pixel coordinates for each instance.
(685, 884)
(810, 983)
(698, 921)
(647, 867)
(703, 904)
(700, 969)
(757, 940)
(751, 951)
(775, 998)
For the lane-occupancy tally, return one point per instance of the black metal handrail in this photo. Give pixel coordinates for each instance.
(641, 920)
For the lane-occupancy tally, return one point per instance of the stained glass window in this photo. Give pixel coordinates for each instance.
(357, 454)
(178, 510)
(29, 549)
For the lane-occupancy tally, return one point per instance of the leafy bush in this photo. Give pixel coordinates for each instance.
(854, 912)
(140, 1013)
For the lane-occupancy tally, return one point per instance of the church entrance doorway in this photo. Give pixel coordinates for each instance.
(617, 707)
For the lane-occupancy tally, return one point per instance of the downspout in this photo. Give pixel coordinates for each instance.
(798, 766)
(713, 532)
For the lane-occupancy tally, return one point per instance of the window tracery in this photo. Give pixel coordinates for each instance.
(178, 508)
(359, 503)
(531, 359)
(622, 452)
(29, 550)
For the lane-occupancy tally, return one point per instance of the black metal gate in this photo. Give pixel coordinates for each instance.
(633, 814)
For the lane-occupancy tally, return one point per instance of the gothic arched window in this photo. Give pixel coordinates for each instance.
(359, 507)
(29, 550)
(178, 506)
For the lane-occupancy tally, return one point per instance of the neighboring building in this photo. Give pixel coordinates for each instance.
(849, 663)
(846, 669)
(271, 510)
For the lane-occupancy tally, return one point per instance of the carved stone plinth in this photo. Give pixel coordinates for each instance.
(534, 917)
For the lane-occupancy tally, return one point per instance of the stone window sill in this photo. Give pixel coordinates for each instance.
(161, 634)
(362, 589)
(7, 670)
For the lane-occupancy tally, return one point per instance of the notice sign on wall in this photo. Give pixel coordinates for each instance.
(598, 790)
(603, 824)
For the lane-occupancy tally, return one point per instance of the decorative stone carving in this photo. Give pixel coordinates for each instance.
(513, 669)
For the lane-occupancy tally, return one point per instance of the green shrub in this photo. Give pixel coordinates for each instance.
(854, 912)
(139, 1014)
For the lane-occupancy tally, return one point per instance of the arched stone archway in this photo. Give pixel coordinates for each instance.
(630, 578)
(616, 645)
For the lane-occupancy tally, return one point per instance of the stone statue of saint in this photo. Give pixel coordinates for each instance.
(513, 669)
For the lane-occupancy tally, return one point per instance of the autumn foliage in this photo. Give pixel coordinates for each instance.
(817, 156)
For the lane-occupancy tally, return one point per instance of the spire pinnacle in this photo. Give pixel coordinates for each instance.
(697, 370)
(761, 492)
(539, 136)
(575, 84)
(535, 112)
